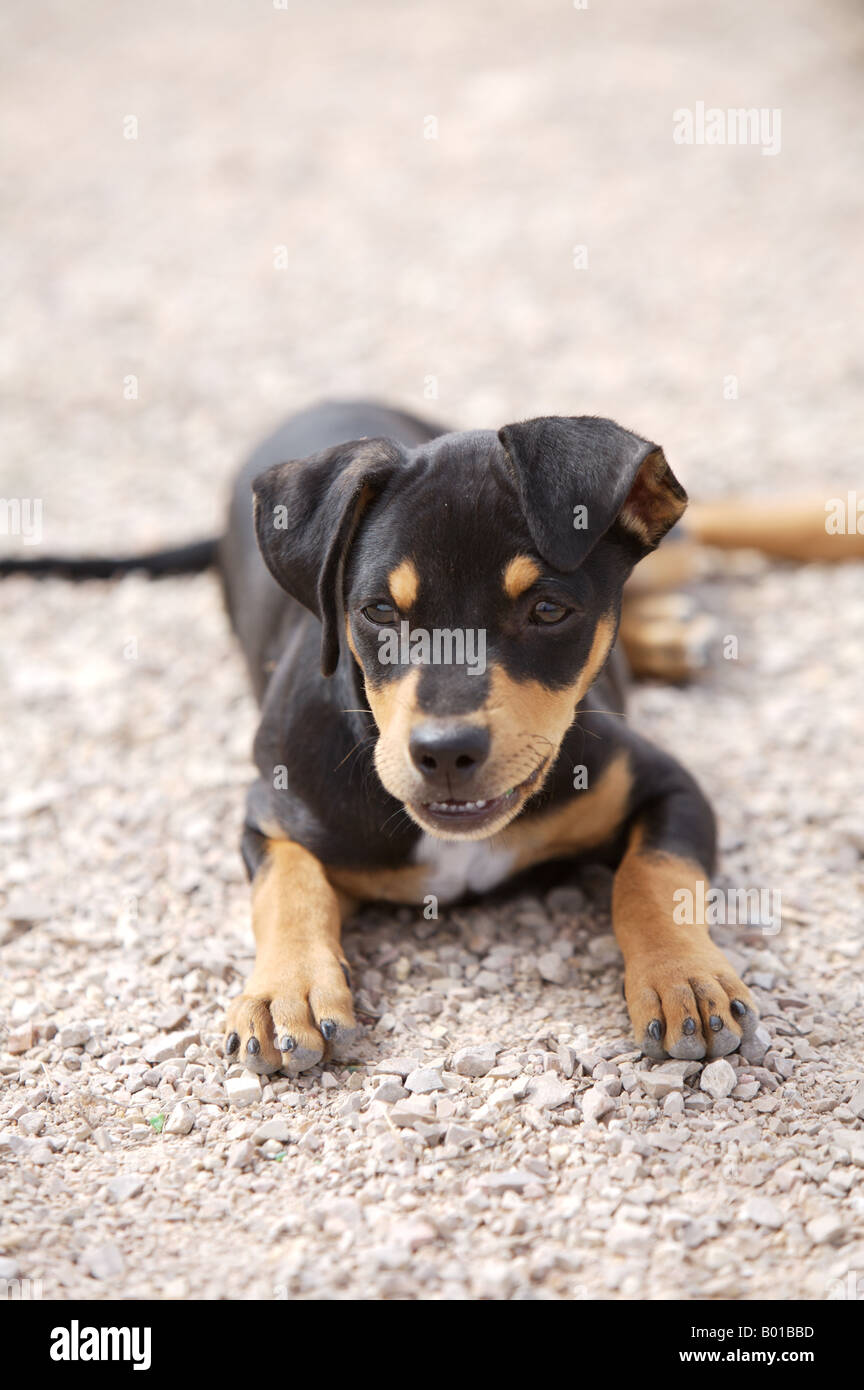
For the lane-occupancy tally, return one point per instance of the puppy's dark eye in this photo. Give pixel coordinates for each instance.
(547, 613)
(381, 614)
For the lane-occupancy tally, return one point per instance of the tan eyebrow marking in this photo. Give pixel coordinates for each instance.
(404, 582)
(520, 574)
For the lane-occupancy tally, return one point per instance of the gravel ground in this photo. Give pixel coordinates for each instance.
(494, 1135)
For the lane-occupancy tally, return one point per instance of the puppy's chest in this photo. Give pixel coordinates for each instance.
(453, 868)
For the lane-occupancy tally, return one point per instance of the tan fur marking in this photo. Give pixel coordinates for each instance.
(673, 970)
(381, 885)
(404, 582)
(394, 706)
(520, 574)
(587, 820)
(662, 638)
(591, 818)
(530, 703)
(643, 899)
(632, 520)
(293, 909)
(651, 506)
(526, 720)
(520, 709)
(604, 636)
(298, 978)
(675, 563)
(791, 530)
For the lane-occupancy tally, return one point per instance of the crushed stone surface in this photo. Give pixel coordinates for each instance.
(494, 1134)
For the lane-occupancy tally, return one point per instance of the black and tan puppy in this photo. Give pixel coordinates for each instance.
(387, 777)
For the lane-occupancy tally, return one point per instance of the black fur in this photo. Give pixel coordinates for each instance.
(158, 564)
(363, 486)
(461, 504)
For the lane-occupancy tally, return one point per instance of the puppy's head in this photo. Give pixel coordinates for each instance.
(476, 580)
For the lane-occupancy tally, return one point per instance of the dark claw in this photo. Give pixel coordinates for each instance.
(288, 1043)
(655, 1029)
(688, 1027)
(253, 1047)
(232, 1042)
(716, 1023)
(347, 973)
(328, 1028)
(739, 1009)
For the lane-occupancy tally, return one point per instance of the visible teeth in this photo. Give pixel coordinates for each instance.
(456, 807)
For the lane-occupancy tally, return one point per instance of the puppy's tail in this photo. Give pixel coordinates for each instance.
(159, 564)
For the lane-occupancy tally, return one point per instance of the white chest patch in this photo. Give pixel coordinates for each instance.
(456, 867)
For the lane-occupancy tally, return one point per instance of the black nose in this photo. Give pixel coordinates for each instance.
(451, 751)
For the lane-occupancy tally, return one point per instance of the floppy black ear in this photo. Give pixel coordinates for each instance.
(563, 463)
(306, 513)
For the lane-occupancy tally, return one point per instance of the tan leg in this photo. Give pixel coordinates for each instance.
(660, 638)
(684, 998)
(663, 637)
(297, 997)
(791, 530)
(673, 565)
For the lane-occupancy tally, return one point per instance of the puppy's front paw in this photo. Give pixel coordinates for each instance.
(688, 1006)
(289, 1022)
